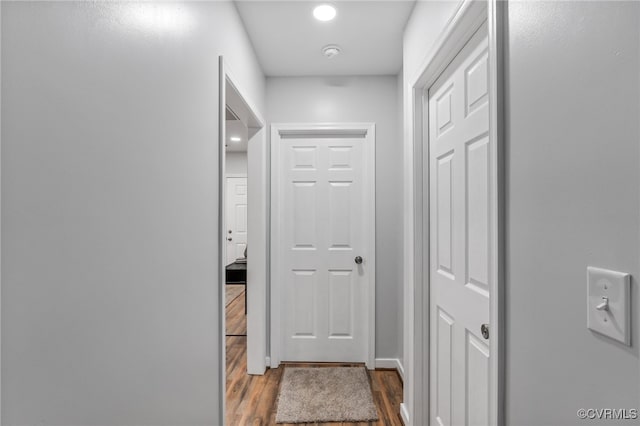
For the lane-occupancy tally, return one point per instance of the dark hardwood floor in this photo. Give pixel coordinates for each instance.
(236, 320)
(251, 400)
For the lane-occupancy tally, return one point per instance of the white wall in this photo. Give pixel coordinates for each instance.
(360, 99)
(109, 209)
(573, 200)
(400, 229)
(425, 25)
(236, 163)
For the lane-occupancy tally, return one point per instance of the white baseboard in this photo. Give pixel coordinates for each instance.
(386, 362)
(400, 369)
(404, 413)
(391, 363)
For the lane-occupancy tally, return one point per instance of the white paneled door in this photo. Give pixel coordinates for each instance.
(236, 216)
(325, 241)
(460, 245)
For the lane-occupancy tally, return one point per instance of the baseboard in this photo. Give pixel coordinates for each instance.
(391, 363)
(386, 362)
(400, 369)
(404, 413)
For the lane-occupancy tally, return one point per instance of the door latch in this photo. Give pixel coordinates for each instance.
(484, 329)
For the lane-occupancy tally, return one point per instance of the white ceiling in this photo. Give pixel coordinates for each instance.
(288, 40)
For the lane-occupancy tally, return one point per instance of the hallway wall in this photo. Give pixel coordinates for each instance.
(360, 99)
(400, 247)
(236, 163)
(109, 206)
(573, 200)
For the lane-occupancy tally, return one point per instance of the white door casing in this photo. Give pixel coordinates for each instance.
(323, 217)
(461, 213)
(236, 233)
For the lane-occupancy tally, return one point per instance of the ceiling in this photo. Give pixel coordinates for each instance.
(288, 40)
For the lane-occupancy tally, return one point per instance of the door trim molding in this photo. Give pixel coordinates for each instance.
(322, 132)
(281, 131)
(466, 20)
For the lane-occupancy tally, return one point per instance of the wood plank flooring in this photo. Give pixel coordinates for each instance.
(232, 291)
(251, 400)
(236, 320)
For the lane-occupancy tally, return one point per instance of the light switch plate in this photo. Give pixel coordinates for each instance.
(615, 320)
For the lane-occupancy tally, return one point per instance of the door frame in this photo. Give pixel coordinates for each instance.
(466, 20)
(324, 130)
(231, 93)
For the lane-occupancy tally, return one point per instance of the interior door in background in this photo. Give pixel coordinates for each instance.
(324, 246)
(236, 218)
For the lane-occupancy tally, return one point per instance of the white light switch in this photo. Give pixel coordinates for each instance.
(608, 303)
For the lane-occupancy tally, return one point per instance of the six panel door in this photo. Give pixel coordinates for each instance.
(460, 247)
(322, 205)
(236, 218)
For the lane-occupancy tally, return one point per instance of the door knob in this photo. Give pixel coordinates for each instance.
(229, 239)
(484, 329)
(358, 260)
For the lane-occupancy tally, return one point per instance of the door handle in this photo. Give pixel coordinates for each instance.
(229, 239)
(484, 329)
(358, 260)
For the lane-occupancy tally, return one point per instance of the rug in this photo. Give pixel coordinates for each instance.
(325, 394)
(232, 291)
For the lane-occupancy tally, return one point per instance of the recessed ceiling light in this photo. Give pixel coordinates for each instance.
(331, 50)
(324, 12)
(235, 139)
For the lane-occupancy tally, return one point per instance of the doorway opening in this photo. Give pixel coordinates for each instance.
(323, 246)
(236, 236)
(243, 235)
